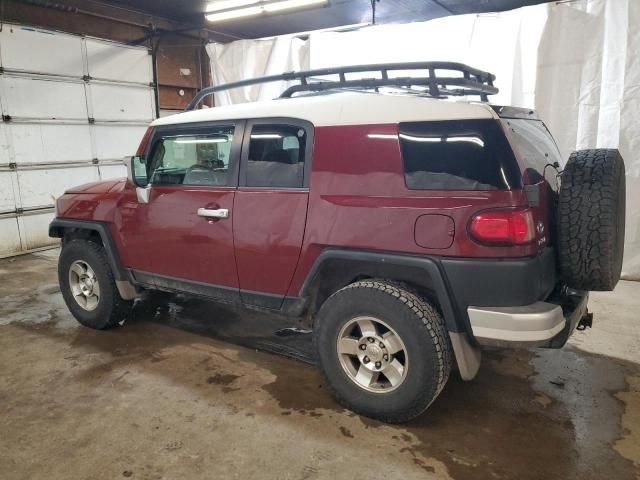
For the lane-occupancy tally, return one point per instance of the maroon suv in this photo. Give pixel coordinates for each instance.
(413, 229)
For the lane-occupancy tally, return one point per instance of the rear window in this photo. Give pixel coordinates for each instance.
(535, 147)
(457, 155)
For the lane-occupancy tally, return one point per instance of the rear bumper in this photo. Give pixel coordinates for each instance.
(491, 283)
(547, 324)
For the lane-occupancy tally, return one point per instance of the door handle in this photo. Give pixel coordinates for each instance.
(213, 213)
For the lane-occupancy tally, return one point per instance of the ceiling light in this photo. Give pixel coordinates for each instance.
(219, 5)
(231, 14)
(231, 9)
(289, 4)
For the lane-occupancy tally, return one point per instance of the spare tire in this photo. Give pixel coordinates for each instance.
(591, 217)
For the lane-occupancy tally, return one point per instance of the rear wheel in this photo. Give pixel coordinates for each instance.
(591, 219)
(88, 286)
(383, 350)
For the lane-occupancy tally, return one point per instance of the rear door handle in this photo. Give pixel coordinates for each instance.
(213, 213)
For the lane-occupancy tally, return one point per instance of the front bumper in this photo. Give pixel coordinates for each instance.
(547, 324)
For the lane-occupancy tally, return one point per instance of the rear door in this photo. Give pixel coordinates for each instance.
(270, 207)
(188, 219)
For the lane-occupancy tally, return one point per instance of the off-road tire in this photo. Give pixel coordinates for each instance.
(111, 308)
(591, 218)
(420, 327)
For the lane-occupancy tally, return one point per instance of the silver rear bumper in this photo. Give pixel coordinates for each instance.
(527, 325)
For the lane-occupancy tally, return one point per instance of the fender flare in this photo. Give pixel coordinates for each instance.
(423, 271)
(57, 229)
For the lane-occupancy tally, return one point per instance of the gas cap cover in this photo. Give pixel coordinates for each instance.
(434, 231)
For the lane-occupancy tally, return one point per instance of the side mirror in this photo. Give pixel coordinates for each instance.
(128, 162)
(136, 165)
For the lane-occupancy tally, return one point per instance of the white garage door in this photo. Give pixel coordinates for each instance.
(72, 108)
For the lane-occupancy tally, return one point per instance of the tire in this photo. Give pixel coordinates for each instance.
(109, 309)
(591, 219)
(426, 355)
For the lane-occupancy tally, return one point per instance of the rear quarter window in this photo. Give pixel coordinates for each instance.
(457, 155)
(536, 149)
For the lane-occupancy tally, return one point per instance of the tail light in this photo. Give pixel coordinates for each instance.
(144, 142)
(503, 227)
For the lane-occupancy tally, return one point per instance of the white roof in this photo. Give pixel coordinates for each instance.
(343, 108)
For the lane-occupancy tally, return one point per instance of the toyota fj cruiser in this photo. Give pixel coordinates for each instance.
(413, 229)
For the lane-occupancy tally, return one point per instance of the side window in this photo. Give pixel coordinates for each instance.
(536, 147)
(457, 155)
(276, 156)
(199, 159)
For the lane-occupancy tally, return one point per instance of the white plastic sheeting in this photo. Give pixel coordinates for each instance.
(574, 62)
(250, 58)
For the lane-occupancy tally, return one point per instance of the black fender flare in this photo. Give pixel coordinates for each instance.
(57, 229)
(341, 266)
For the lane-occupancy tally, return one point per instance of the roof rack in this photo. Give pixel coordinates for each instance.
(472, 81)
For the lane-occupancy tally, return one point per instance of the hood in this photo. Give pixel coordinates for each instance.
(97, 187)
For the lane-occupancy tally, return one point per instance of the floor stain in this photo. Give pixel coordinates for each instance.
(629, 444)
(222, 379)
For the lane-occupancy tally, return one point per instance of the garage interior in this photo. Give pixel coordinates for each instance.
(192, 389)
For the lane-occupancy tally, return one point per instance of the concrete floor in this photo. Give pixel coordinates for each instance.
(164, 397)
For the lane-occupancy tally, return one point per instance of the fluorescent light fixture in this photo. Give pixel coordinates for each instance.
(231, 14)
(231, 9)
(289, 4)
(202, 140)
(219, 5)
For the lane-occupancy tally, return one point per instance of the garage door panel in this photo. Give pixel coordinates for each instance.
(44, 99)
(110, 61)
(47, 143)
(121, 102)
(108, 172)
(35, 230)
(117, 141)
(41, 187)
(8, 201)
(5, 148)
(41, 51)
(9, 236)
(77, 107)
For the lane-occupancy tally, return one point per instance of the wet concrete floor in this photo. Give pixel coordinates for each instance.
(185, 390)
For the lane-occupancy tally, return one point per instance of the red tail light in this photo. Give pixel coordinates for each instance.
(503, 227)
(144, 142)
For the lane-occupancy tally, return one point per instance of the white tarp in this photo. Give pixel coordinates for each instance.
(574, 62)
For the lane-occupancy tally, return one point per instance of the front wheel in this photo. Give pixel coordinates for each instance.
(88, 286)
(383, 350)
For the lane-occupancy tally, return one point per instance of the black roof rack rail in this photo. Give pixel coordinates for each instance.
(472, 81)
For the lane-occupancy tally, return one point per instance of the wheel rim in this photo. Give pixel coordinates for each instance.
(84, 285)
(372, 354)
